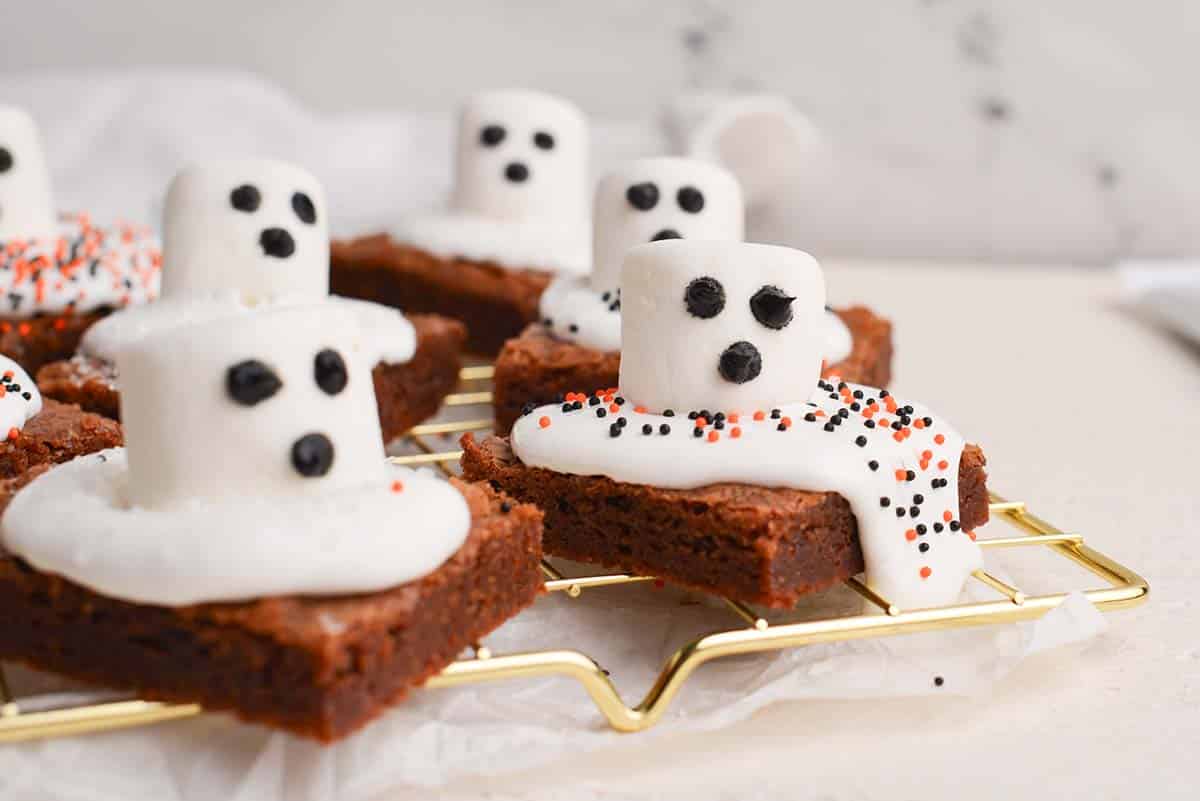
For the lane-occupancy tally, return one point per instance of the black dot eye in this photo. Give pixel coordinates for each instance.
(705, 297)
(6, 159)
(690, 199)
(246, 198)
(772, 307)
(251, 382)
(491, 135)
(303, 206)
(642, 197)
(330, 371)
(312, 455)
(543, 140)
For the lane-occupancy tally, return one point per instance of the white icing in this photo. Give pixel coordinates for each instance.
(670, 357)
(26, 201)
(618, 225)
(209, 503)
(77, 521)
(838, 339)
(575, 312)
(560, 246)
(19, 397)
(539, 221)
(804, 456)
(211, 245)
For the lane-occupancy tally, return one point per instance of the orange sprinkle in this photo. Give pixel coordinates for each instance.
(640, 409)
(883, 422)
(8, 373)
(760, 415)
(735, 432)
(701, 422)
(901, 475)
(733, 418)
(5, 328)
(898, 436)
(939, 439)
(714, 435)
(13, 433)
(60, 324)
(971, 534)
(819, 413)
(869, 412)
(614, 408)
(926, 572)
(919, 423)
(926, 455)
(947, 516)
(942, 465)
(910, 535)
(24, 328)
(787, 422)
(544, 421)
(924, 465)
(397, 486)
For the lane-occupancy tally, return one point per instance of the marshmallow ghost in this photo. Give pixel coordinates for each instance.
(19, 397)
(729, 326)
(521, 155)
(649, 200)
(26, 206)
(257, 227)
(276, 402)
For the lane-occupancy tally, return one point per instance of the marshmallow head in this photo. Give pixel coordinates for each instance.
(26, 207)
(521, 156)
(256, 227)
(723, 326)
(661, 198)
(266, 404)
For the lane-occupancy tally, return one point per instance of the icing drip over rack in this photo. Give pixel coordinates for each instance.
(747, 631)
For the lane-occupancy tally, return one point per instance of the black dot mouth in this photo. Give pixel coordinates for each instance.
(277, 243)
(666, 233)
(740, 363)
(312, 455)
(516, 172)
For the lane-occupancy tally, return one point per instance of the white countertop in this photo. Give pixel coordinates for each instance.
(1031, 363)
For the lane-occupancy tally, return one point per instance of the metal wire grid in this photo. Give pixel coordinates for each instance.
(749, 633)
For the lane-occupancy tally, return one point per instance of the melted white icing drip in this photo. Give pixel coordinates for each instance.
(15, 408)
(386, 335)
(81, 269)
(552, 245)
(838, 339)
(576, 312)
(803, 456)
(75, 521)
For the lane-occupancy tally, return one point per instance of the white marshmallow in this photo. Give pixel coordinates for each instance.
(671, 358)
(26, 204)
(259, 227)
(189, 437)
(15, 408)
(521, 155)
(658, 197)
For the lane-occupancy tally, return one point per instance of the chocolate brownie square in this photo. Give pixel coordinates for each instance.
(536, 368)
(406, 393)
(317, 667)
(56, 434)
(761, 545)
(494, 302)
(33, 342)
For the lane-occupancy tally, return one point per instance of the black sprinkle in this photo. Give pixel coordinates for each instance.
(619, 400)
(909, 476)
(828, 426)
(810, 418)
(775, 414)
(614, 430)
(885, 502)
(915, 511)
(923, 547)
(860, 441)
(869, 424)
(664, 429)
(918, 499)
(647, 429)
(574, 329)
(505, 507)
(622, 422)
(899, 511)
(697, 432)
(692, 415)
(874, 465)
(593, 401)
(601, 412)
(719, 425)
(921, 529)
(668, 413)
(937, 528)
(938, 681)
(954, 525)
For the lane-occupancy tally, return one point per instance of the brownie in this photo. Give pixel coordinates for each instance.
(33, 342)
(536, 367)
(494, 302)
(760, 545)
(318, 667)
(58, 433)
(406, 393)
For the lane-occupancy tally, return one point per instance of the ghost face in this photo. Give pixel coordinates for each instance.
(522, 156)
(280, 401)
(26, 207)
(255, 227)
(723, 326)
(650, 200)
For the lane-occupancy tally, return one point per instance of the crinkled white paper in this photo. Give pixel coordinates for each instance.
(488, 729)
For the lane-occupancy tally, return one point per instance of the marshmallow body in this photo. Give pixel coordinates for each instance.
(723, 326)
(279, 402)
(661, 198)
(19, 396)
(26, 204)
(255, 226)
(521, 155)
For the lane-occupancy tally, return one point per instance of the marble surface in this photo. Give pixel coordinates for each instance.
(1033, 365)
(981, 130)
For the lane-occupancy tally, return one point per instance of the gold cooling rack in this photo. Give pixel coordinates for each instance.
(747, 633)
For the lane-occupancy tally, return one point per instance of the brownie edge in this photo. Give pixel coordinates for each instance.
(761, 545)
(317, 667)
